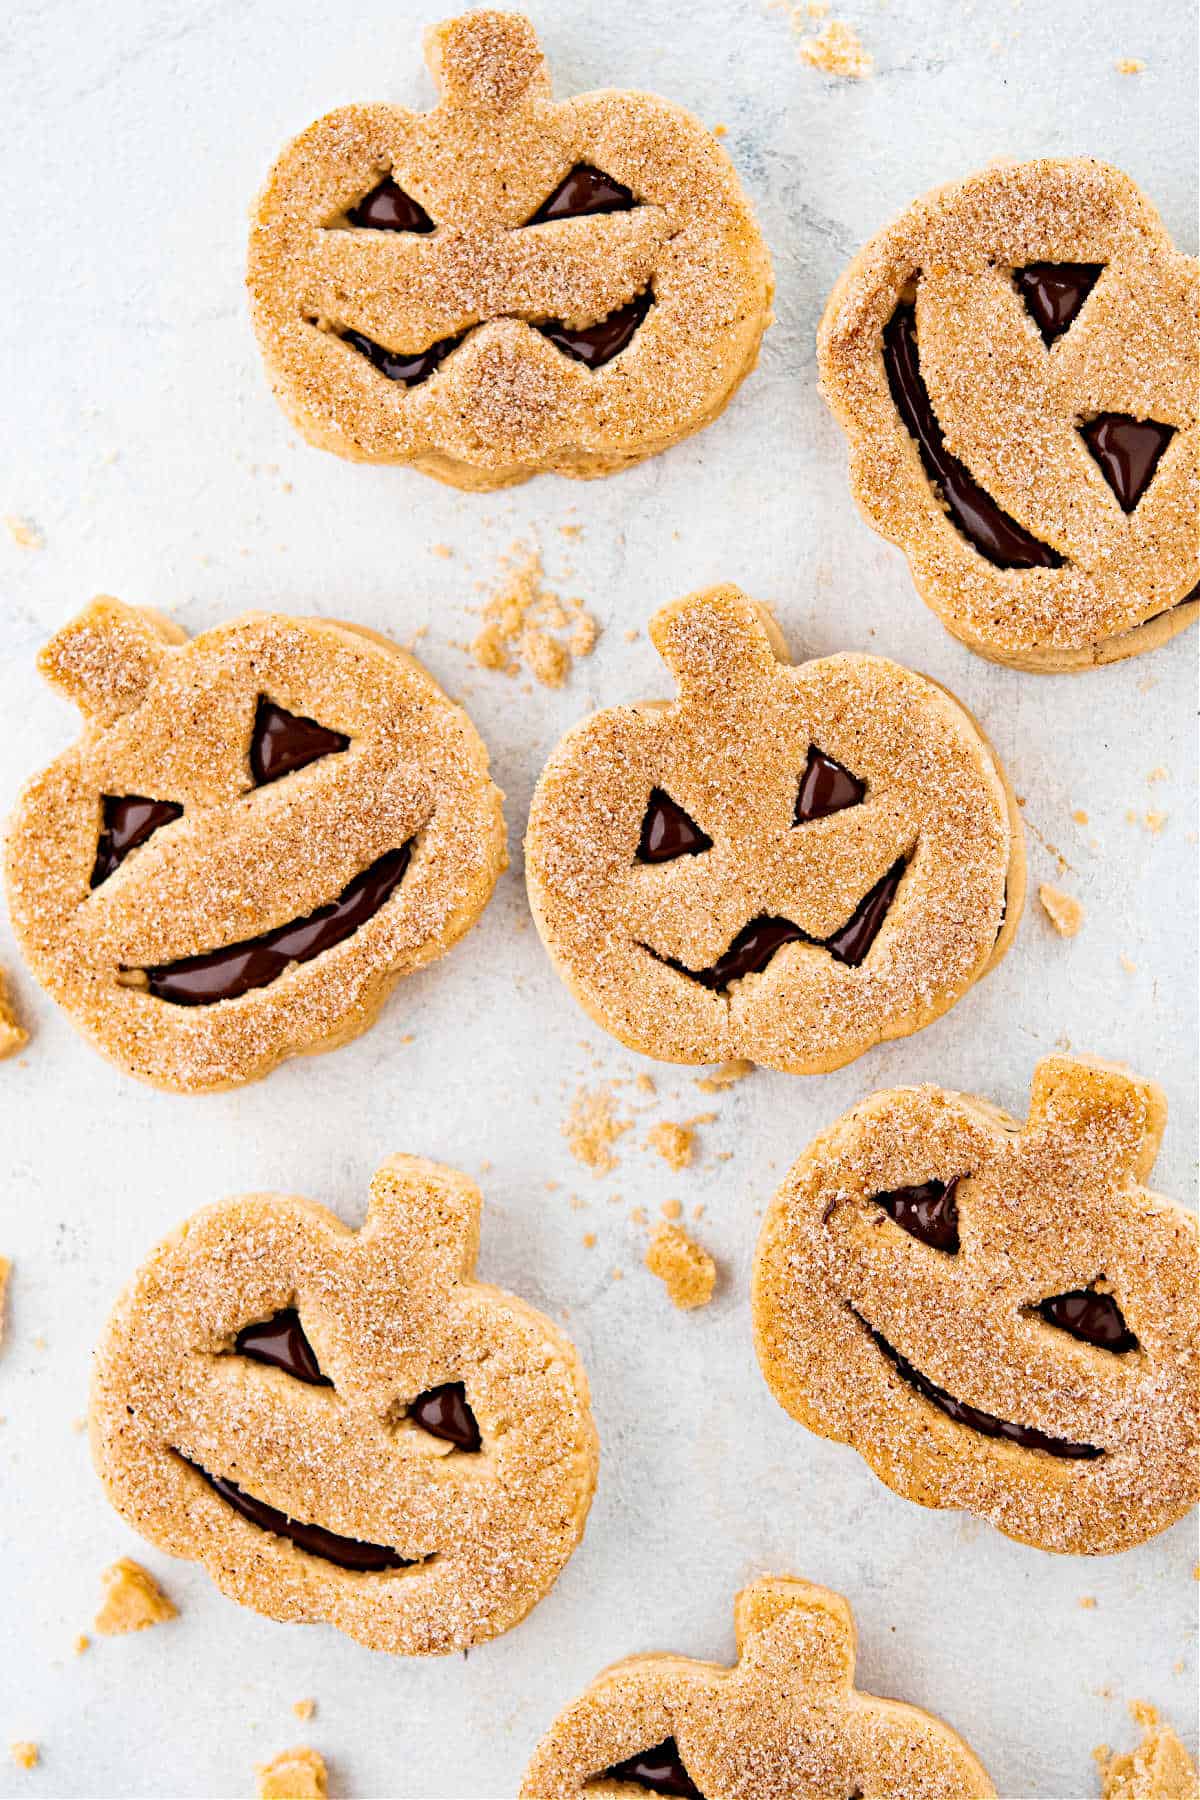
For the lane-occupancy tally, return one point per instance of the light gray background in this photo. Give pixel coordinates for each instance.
(141, 439)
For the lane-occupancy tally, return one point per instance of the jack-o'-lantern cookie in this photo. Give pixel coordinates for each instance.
(257, 834)
(508, 284)
(786, 1723)
(345, 1426)
(788, 863)
(997, 1316)
(1016, 363)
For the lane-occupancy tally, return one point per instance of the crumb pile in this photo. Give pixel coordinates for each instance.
(525, 625)
(133, 1600)
(836, 49)
(592, 1127)
(1158, 1769)
(687, 1271)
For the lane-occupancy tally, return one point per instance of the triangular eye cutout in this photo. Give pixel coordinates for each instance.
(584, 190)
(1091, 1316)
(1055, 293)
(659, 1771)
(285, 741)
(129, 819)
(1127, 452)
(388, 208)
(928, 1212)
(281, 1343)
(443, 1412)
(825, 787)
(668, 831)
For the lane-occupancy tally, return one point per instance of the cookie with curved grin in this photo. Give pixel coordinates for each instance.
(787, 863)
(997, 1316)
(1016, 364)
(507, 284)
(786, 1720)
(257, 834)
(346, 1426)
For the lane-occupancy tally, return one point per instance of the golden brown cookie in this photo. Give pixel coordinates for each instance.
(997, 1316)
(507, 284)
(1016, 363)
(346, 1426)
(788, 863)
(258, 833)
(785, 1722)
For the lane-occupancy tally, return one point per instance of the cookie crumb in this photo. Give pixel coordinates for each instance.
(26, 536)
(24, 1754)
(644, 1084)
(1159, 1769)
(5, 1272)
(522, 618)
(12, 1036)
(735, 1070)
(1157, 774)
(133, 1600)
(674, 1143)
(671, 1209)
(1063, 910)
(82, 1642)
(297, 1774)
(688, 1272)
(1155, 822)
(1079, 816)
(1128, 964)
(304, 1709)
(836, 49)
(1129, 65)
(591, 1129)
(1088, 1602)
(442, 550)
(589, 1240)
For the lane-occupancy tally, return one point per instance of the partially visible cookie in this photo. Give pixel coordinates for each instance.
(786, 1721)
(1016, 363)
(1158, 1769)
(997, 1316)
(259, 831)
(788, 863)
(346, 1426)
(508, 284)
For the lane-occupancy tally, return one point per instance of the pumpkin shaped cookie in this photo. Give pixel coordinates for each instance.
(1016, 363)
(257, 834)
(507, 284)
(345, 1426)
(786, 1723)
(787, 863)
(996, 1316)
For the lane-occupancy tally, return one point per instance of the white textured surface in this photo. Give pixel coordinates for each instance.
(141, 439)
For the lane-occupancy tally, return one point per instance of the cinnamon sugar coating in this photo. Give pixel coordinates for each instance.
(1045, 1209)
(506, 402)
(390, 1312)
(785, 1721)
(172, 720)
(731, 751)
(1010, 407)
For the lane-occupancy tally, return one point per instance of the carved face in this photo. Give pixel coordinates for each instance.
(998, 1317)
(345, 1427)
(786, 1721)
(1045, 492)
(257, 833)
(505, 284)
(787, 863)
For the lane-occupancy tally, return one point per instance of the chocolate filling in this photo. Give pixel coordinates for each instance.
(986, 1424)
(668, 831)
(1127, 452)
(757, 942)
(409, 370)
(928, 1212)
(237, 968)
(443, 1412)
(284, 741)
(826, 787)
(584, 190)
(128, 820)
(347, 1553)
(597, 344)
(1093, 1317)
(1055, 293)
(281, 1343)
(659, 1771)
(388, 208)
(997, 537)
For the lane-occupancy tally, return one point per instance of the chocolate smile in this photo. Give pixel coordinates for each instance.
(1027, 1436)
(347, 1553)
(256, 962)
(755, 945)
